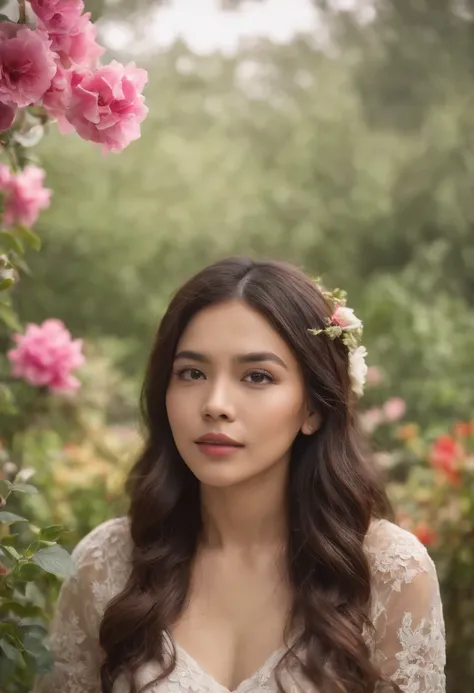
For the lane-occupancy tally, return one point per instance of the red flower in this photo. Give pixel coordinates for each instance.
(445, 456)
(426, 535)
(464, 429)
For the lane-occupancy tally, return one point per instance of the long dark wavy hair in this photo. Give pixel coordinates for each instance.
(333, 493)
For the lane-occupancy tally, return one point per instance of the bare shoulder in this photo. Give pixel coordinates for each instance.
(395, 554)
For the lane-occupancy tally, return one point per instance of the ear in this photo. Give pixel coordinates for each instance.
(311, 424)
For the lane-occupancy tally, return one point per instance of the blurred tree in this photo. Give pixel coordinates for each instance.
(129, 10)
(270, 153)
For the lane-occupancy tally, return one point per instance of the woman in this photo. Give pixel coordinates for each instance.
(255, 556)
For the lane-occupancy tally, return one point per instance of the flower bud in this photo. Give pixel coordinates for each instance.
(9, 470)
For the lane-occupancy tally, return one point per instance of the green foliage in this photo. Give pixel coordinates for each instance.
(245, 155)
(31, 561)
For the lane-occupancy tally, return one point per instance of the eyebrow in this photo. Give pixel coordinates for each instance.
(253, 357)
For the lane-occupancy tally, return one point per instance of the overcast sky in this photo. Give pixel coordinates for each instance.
(206, 28)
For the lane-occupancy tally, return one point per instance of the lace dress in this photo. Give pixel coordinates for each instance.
(408, 644)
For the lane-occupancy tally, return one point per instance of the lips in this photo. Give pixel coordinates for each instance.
(218, 439)
(217, 445)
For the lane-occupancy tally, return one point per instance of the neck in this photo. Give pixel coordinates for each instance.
(248, 515)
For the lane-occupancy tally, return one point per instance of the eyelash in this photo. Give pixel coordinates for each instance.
(181, 373)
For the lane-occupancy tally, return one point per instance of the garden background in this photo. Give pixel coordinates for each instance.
(337, 135)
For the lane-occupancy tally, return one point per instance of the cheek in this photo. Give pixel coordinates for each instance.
(282, 412)
(176, 408)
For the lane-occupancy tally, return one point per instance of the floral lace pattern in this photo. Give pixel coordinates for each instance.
(408, 644)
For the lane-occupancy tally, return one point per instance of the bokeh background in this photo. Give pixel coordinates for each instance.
(337, 135)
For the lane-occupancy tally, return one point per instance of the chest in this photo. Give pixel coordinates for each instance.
(234, 619)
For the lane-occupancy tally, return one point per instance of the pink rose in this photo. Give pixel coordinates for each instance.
(7, 116)
(77, 46)
(374, 375)
(27, 64)
(345, 318)
(24, 196)
(107, 105)
(394, 409)
(45, 355)
(372, 419)
(58, 15)
(57, 99)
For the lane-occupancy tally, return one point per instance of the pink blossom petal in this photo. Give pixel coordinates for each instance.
(107, 106)
(46, 355)
(27, 64)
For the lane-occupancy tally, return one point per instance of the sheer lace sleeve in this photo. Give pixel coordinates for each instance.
(406, 611)
(101, 561)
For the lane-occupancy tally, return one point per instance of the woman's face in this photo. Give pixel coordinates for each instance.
(234, 376)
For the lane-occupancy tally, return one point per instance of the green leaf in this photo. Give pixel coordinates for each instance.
(9, 540)
(9, 318)
(6, 283)
(29, 572)
(55, 560)
(7, 400)
(22, 610)
(24, 488)
(19, 263)
(10, 651)
(5, 487)
(51, 533)
(36, 546)
(29, 237)
(11, 242)
(11, 630)
(39, 112)
(10, 518)
(43, 659)
(11, 551)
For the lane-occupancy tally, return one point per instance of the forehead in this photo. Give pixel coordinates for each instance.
(232, 327)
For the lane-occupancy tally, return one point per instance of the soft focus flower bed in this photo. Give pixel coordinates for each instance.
(431, 484)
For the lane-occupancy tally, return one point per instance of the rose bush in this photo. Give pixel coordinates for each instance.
(52, 69)
(431, 483)
(435, 500)
(49, 71)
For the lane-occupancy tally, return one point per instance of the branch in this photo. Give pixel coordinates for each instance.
(22, 16)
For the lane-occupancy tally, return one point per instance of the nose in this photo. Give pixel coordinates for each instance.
(218, 402)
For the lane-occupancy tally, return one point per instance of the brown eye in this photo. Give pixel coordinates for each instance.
(258, 377)
(190, 374)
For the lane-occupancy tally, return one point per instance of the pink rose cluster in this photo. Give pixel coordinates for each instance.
(45, 356)
(392, 411)
(23, 195)
(56, 65)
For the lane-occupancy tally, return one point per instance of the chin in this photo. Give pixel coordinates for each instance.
(219, 475)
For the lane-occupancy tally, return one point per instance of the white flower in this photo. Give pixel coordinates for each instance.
(345, 318)
(358, 369)
(25, 474)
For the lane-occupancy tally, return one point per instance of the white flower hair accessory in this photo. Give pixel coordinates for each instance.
(344, 324)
